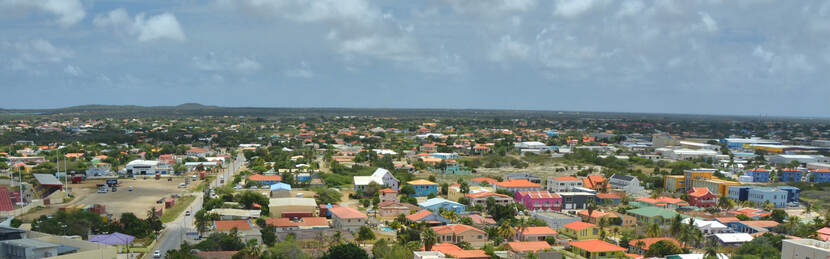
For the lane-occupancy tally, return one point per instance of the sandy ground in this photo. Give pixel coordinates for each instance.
(144, 196)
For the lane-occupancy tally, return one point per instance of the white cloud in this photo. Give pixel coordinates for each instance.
(508, 48)
(380, 47)
(247, 65)
(69, 12)
(38, 51)
(763, 54)
(72, 70)
(157, 27)
(225, 63)
(630, 8)
(358, 12)
(573, 8)
(709, 23)
(491, 7)
(304, 71)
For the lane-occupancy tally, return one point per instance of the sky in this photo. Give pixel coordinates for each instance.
(735, 57)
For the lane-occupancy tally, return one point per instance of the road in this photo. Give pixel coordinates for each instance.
(177, 229)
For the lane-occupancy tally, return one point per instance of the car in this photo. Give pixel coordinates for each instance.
(102, 190)
(187, 213)
(160, 200)
(114, 189)
(181, 185)
(130, 188)
(157, 254)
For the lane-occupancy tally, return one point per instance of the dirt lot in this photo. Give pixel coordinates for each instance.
(144, 195)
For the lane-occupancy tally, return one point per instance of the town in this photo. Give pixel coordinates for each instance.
(355, 184)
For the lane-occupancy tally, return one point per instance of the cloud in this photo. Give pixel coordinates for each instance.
(225, 63)
(491, 7)
(508, 48)
(304, 71)
(247, 65)
(709, 23)
(72, 70)
(573, 8)
(351, 12)
(763, 54)
(68, 12)
(145, 29)
(38, 51)
(380, 47)
(630, 8)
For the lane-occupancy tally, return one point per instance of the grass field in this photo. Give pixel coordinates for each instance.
(181, 205)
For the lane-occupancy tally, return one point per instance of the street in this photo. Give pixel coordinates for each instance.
(176, 231)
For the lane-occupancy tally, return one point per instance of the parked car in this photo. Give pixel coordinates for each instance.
(114, 189)
(157, 254)
(160, 200)
(181, 185)
(130, 188)
(187, 213)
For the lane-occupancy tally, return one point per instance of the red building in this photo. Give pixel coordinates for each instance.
(701, 197)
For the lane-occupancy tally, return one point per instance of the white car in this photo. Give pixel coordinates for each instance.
(157, 254)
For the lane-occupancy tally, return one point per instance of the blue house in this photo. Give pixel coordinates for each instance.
(792, 193)
(455, 169)
(739, 193)
(759, 175)
(424, 187)
(790, 175)
(436, 204)
(777, 196)
(819, 176)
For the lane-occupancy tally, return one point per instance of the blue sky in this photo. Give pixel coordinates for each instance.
(746, 57)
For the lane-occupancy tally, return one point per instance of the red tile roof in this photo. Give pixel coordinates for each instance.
(543, 230)
(286, 222)
(530, 246)
(259, 177)
(596, 246)
(594, 214)
(566, 178)
(650, 241)
(700, 192)
(478, 219)
(419, 215)
(224, 225)
(608, 196)
(5, 199)
(484, 179)
(517, 183)
(760, 223)
(485, 194)
(347, 213)
(455, 229)
(578, 225)
(727, 219)
(387, 190)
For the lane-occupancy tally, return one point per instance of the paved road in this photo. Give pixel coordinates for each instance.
(176, 230)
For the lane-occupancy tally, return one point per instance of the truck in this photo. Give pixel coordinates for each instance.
(112, 182)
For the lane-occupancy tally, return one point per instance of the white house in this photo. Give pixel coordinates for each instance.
(708, 227)
(150, 167)
(381, 176)
(629, 184)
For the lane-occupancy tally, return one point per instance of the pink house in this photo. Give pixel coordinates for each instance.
(539, 200)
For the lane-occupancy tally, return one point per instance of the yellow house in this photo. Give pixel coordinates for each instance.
(597, 249)
(716, 186)
(579, 230)
(673, 183)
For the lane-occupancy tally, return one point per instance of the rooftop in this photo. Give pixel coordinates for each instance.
(578, 225)
(596, 246)
(347, 213)
(530, 246)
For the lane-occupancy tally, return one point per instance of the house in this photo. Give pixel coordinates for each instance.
(456, 252)
(147, 167)
(608, 199)
(594, 182)
(753, 226)
(707, 227)
(576, 200)
(804, 249)
(518, 185)
(819, 176)
(388, 195)
(824, 233)
(245, 229)
(381, 176)
(524, 176)
(539, 200)
(478, 220)
(28, 248)
(554, 219)
(793, 193)
(480, 198)
(595, 216)
(535, 233)
(286, 224)
(790, 175)
(424, 187)
(597, 249)
(702, 198)
(523, 248)
(231, 214)
(395, 208)
(759, 195)
(732, 239)
(436, 204)
(428, 255)
(563, 183)
(346, 218)
(758, 175)
(428, 217)
(628, 184)
(662, 202)
(645, 244)
(456, 233)
(280, 190)
(196, 152)
(651, 215)
(579, 230)
(265, 179)
(751, 213)
(291, 206)
(454, 191)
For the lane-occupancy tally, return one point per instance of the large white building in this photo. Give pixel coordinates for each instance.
(381, 177)
(804, 249)
(802, 159)
(145, 167)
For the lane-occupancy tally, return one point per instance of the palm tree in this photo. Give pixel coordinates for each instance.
(711, 248)
(676, 225)
(252, 249)
(429, 237)
(791, 224)
(653, 230)
(506, 231)
(450, 215)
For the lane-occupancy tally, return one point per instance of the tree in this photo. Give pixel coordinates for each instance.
(653, 230)
(778, 215)
(429, 237)
(251, 251)
(349, 250)
(444, 187)
(465, 188)
(365, 234)
(506, 231)
(326, 195)
(184, 252)
(408, 190)
(663, 248)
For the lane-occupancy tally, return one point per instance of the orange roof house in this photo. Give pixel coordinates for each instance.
(594, 181)
(528, 246)
(535, 233)
(267, 179)
(226, 225)
(592, 248)
(457, 252)
(647, 242)
(479, 180)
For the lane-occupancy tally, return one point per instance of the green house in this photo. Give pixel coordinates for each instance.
(649, 215)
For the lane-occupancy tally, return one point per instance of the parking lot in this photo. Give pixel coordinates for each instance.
(144, 195)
